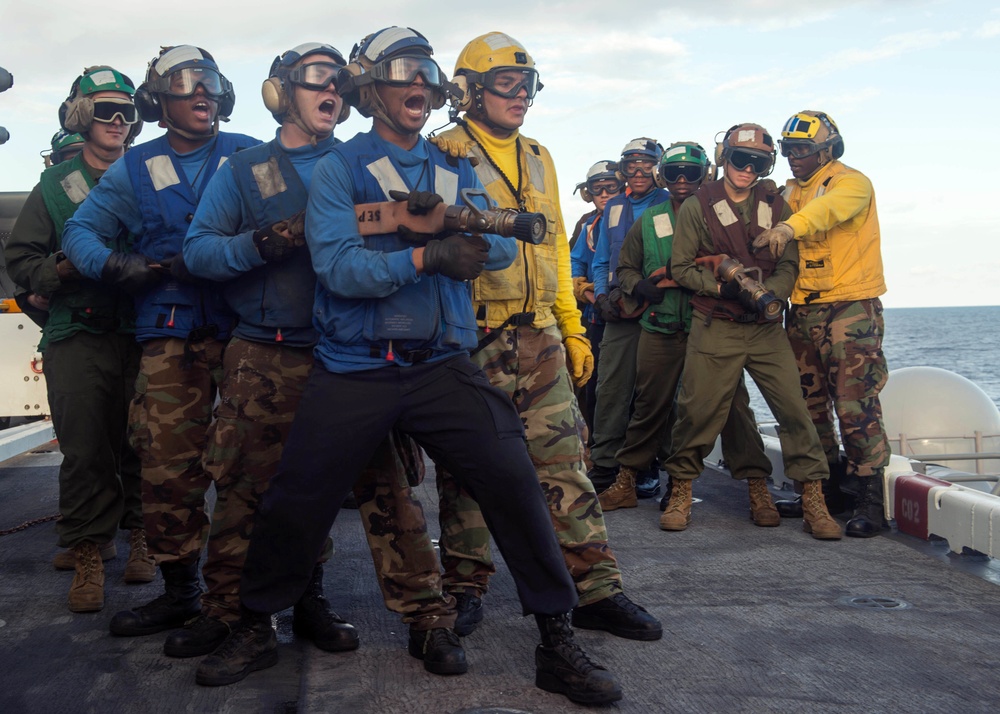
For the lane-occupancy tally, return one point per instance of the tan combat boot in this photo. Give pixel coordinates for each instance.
(762, 509)
(677, 517)
(815, 518)
(65, 560)
(140, 567)
(621, 494)
(86, 594)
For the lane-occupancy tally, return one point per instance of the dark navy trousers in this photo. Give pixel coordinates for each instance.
(463, 423)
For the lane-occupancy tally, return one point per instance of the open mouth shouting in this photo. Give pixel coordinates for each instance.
(327, 109)
(417, 106)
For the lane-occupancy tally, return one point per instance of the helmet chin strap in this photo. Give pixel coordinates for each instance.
(293, 114)
(478, 111)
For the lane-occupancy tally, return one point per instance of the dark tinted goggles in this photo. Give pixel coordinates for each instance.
(105, 110)
(315, 75)
(184, 82)
(746, 160)
(507, 82)
(799, 149)
(672, 173)
(612, 187)
(404, 70)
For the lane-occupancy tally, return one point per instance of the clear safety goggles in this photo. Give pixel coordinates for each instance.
(315, 75)
(638, 167)
(672, 173)
(508, 81)
(612, 187)
(800, 149)
(184, 82)
(750, 161)
(106, 110)
(404, 71)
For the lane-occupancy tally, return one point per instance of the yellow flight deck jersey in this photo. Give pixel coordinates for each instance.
(539, 280)
(836, 226)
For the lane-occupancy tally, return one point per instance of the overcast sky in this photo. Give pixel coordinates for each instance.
(912, 85)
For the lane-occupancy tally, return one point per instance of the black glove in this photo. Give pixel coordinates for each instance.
(129, 271)
(609, 311)
(458, 256)
(272, 246)
(178, 269)
(647, 289)
(65, 270)
(419, 203)
(730, 290)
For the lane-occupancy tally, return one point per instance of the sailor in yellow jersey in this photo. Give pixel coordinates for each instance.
(531, 344)
(835, 325)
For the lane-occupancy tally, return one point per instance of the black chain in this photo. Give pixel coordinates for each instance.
(515, 192)
(29, 524)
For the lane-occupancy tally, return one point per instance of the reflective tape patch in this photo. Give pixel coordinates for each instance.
(75, 186)
(388, 178)
(536, 172)
(498, 40)
(615, 215)
(104, 76)
(161, 171)
(764, 215)
(725, 213)
(663, 225)
(269, 180)
(446, 185)
(746, 135)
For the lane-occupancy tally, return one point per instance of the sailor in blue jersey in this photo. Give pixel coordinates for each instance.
(616, 382)
(181, 323)
(395, 318)
(240, 236)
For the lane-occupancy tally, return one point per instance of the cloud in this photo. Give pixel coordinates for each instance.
(989, 29)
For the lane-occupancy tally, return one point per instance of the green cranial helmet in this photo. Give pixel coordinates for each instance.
(65, 145)
(683, 160)
(77, 113)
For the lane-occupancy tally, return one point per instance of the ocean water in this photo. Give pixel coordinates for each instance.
(964, 340)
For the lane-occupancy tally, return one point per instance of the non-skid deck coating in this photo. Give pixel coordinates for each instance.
(755, 620)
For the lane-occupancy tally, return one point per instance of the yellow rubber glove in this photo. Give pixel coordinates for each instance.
(457, 147)
(775, 239)
(580, 286)
(579, 359)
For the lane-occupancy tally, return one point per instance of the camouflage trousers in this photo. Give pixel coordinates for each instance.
(168, 428)
(260, 391)
(530, 366)
(838, 350)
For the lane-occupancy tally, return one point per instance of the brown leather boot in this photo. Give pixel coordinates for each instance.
(816, 519)
(677, 517)
(86, 594)
(621, 494)
(140, 567)
(65, 560)
(762, 509)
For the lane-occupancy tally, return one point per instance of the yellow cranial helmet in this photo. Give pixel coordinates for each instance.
(495, 62)
(810, 132)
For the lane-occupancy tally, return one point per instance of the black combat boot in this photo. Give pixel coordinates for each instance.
(602, 477)
(313, 619)
(440, 649)
(470, 613)
(180, 601)
(561, 666)
(199, 636)
(251, 645)
(619, 616)
(868, 519)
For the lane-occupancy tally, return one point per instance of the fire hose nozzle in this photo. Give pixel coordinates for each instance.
(506, 222)
(753, 295)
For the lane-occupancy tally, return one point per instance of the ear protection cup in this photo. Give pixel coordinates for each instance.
(585, 195)
(148, 104)
(272, 91)
(355, 91)
(345, 112)
(76, 115)
(465, 103)
(227, 103)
